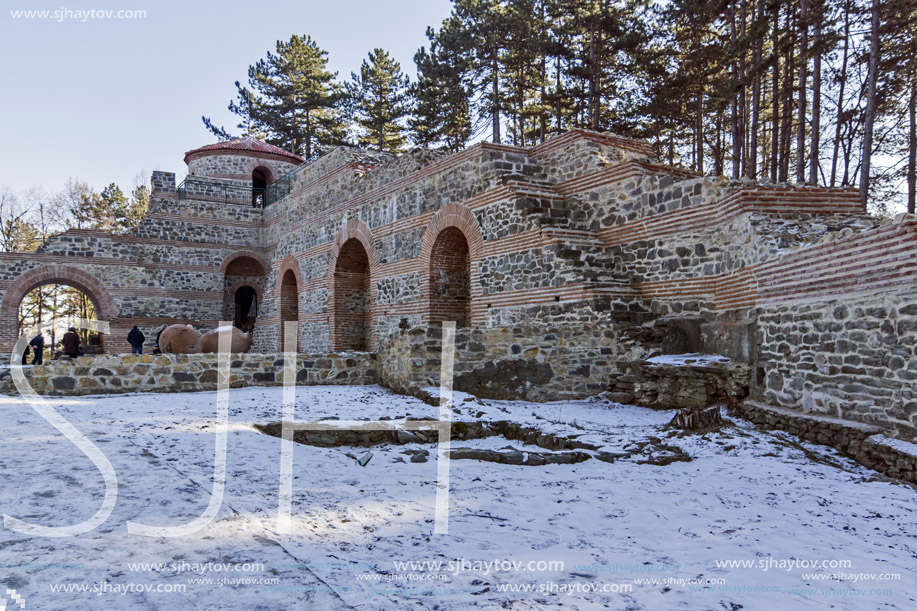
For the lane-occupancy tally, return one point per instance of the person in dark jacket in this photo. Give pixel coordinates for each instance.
(71, 343)
(25, 355)
(136, 338)
(38, 348)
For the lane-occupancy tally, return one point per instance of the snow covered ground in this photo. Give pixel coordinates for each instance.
(583, 536)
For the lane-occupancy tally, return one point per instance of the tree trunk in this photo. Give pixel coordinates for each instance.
(743, 99)
(699, 131)
(814, 152)
(736, 138)
(558, 97)
(542, 116)
(718, 149)
(912, 148)
(787, 127)
(308, 135)
(755, 97)
(592, 73)
(495, 81)
(840, 96)
(869, 124)
(775, 118)
(597, 71)
(803, 77)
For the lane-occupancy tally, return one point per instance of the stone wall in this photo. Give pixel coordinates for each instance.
(686, 382)
(865, 443)
(538, 363)
(237, 167)
(188, 372)
(583, 254)
(850, 357)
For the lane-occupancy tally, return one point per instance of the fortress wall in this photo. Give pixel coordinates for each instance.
(837, 328)
(532, 362)
(583, 253)
(577, 152)
(158, 275)
(188, 372)
(396, 219)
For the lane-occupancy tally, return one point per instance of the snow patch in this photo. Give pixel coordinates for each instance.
(693, 358)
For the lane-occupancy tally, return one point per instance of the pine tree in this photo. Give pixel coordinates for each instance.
(112, 213)
(138, 206)
(292, 100)
(441, 113)
(380, 93)
(487, 25)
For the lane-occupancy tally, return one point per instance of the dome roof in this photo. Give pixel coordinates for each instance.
(244, 144)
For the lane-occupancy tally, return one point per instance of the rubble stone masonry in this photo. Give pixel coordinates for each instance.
(565, 265)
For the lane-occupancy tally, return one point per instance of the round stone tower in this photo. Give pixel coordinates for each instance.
(247, 161)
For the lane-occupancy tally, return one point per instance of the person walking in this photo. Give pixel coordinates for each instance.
(38, 349)
(136, 338)
(71, 341)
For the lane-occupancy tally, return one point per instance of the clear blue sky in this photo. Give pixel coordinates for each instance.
(105, 99)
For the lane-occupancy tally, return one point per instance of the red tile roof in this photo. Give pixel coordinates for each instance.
(245, 144)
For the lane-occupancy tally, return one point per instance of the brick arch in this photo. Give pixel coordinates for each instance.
(354, 229)
(245, 253)
(50, 274)
(289, 263)
(462, 219)
(284, 295)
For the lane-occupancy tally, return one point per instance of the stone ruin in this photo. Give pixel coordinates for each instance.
(566, 265)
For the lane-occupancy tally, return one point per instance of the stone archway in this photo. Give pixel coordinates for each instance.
(351, 273)
(352, 305)
(244, 271)
(450, 252)
(288, 286)
(450, 278)
(85, 282)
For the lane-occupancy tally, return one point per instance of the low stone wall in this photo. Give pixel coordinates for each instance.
(863, 442)
(679, 385)
(534, 363)
(189, 372)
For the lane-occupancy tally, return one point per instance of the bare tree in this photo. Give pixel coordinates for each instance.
(872, 82)
(14, 226)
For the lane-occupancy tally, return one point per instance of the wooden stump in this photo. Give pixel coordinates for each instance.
(697, 419)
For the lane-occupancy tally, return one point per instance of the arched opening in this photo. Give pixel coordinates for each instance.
(352, 302)
(62, 305)
(50, 273)
(243, 279)
(289, 308)
(245, 310)
(450, 278)
(261, 177)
